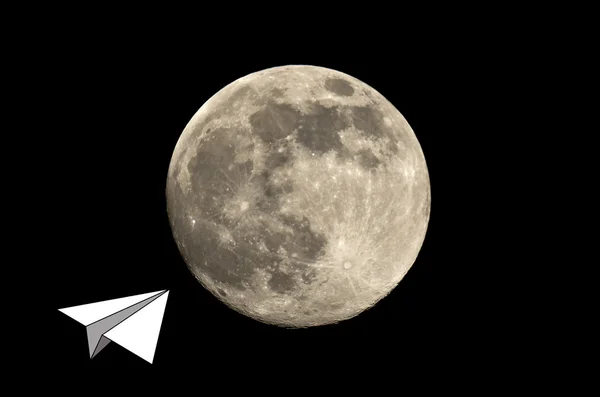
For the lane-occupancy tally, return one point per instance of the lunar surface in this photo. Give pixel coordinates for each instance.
(299, 196)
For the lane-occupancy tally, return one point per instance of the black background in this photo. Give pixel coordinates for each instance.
(122, 106)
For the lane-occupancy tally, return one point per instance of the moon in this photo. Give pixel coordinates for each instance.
(299, 196)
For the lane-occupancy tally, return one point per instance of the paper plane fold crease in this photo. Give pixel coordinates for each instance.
(133, 322)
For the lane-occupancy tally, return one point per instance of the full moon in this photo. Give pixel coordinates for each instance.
(299, 196)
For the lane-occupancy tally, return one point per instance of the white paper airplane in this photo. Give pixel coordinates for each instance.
(133, 322)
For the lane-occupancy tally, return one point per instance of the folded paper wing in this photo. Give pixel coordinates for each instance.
(133, 322)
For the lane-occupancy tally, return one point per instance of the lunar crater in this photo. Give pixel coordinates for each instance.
(298, 196)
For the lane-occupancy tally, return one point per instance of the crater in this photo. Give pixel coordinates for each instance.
(199, 127)
(339, 86)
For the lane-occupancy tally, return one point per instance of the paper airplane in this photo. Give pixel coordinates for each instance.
(133, 322)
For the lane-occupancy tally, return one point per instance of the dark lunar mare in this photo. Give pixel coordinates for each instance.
(227, 217)
(318, 131)
(339, 86)
(212, 169)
